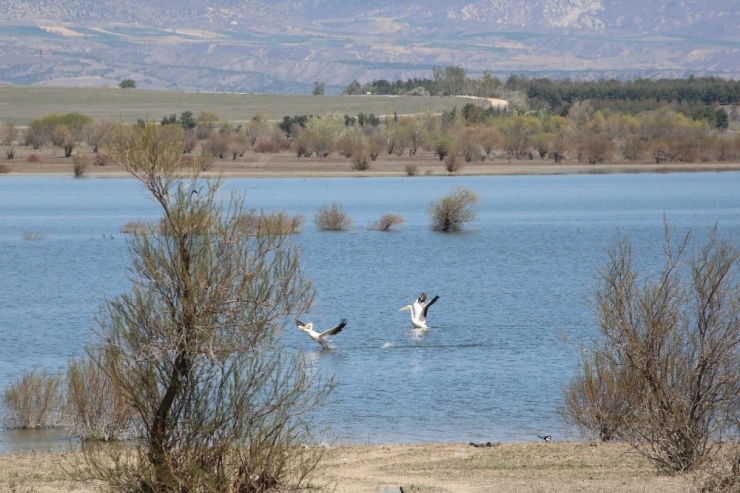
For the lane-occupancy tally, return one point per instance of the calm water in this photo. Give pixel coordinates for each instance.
(511, 289)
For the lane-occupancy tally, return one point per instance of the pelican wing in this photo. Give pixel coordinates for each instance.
(299, 323)
(426, 307)
(336, 329)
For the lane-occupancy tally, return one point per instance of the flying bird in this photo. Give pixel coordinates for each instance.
(419, 310)
(321, 337)
(546, 438)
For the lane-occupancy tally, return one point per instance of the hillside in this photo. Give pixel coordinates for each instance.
(285, 46)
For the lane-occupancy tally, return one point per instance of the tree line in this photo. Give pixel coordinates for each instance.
(557, 94)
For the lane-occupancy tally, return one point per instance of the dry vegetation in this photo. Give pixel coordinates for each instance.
(430, 468)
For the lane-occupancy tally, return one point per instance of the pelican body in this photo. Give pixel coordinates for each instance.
(321, 337)
(419, 310)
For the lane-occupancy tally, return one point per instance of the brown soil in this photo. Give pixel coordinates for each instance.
(430, 468)
(285, 164)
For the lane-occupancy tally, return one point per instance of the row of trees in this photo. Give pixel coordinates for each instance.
(463, 135)
(557, 94)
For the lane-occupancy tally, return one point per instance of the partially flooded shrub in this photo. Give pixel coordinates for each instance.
(34, 401)
(276, 223)
(453, 210)
(332, 218)
(387, 221)
(96, 409)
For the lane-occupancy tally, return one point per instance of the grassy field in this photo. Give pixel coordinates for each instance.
(21, 104)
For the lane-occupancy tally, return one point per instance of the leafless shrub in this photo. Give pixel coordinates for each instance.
(79, 164)
(265, 146)
(102, 159)
(332, 218)
(10, 153)
(596, 401)
(453, 163)
(360, 161)
(411, 169)
(33, 158)
(453, 210)
(96, 408)
(670, 342)
(387, 221)
(270, 223)
(34, 401)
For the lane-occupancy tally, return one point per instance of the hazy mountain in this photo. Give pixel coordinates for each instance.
(286, 45)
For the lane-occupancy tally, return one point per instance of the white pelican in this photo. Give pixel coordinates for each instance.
(419, 310)
(321, 338)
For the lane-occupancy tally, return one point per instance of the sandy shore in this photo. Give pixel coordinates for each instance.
(429, 468)
(286, 164)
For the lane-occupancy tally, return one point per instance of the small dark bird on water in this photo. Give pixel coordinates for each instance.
(546, 438)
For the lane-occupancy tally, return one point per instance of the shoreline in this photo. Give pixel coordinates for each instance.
(421, 468)
(287, 165)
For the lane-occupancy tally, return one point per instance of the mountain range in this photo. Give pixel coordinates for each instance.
(285, 46)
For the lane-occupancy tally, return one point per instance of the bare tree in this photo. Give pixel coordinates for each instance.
(194, 347)
(671, 343)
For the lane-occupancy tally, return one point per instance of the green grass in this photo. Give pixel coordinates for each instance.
(22, 104)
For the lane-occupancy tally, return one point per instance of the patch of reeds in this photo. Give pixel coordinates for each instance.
(33, 401)
(269, 223)
(4, 168)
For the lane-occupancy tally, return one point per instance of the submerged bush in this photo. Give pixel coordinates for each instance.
(332, 218)
(386, 221)
(269, 223)
(34, 401)
(453, 210)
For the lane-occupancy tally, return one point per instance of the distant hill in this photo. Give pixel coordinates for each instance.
(287, 45)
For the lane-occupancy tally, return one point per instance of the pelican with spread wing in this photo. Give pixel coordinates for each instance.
(321, 337)
(419, 310)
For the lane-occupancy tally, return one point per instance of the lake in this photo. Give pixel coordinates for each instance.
(502, 337)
